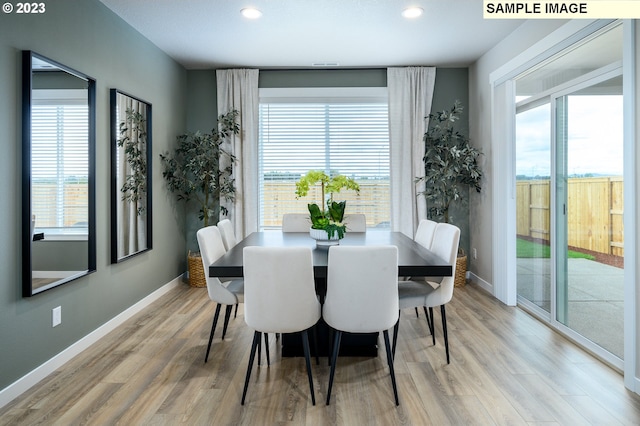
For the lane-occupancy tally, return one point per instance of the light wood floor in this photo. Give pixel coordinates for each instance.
(506, 368)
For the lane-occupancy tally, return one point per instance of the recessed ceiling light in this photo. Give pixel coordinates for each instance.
(412, 12)
(251, 13)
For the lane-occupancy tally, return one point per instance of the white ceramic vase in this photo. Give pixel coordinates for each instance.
(322, 238)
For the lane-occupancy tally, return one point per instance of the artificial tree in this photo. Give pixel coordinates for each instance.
(451, 169)
(197, 170)
(451, 164)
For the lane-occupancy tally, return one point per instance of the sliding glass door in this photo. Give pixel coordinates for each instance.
(589, 207)
(569, 192)
(533, 201)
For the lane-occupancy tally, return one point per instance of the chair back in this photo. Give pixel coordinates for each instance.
(296, 222)
(424, 233)
(228, 234)
(279, 289)
(362, 288)
(211, 249)
(356, 222)
(445, 245)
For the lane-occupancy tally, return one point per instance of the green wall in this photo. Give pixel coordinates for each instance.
(86, 36)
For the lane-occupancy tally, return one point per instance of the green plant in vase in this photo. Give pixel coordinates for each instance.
(330, 218)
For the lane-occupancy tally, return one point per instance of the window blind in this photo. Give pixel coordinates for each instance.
(349, 138)
(59, 160)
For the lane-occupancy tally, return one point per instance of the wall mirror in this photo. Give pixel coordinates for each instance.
(130, 176)
(58, 174)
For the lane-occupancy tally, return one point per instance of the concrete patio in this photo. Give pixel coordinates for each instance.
(595, 299)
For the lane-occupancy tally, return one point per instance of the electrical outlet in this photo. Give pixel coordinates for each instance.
(56, 316)
(475, 253)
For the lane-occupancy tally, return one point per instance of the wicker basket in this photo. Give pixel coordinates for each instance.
(461, 271)
(196, 270)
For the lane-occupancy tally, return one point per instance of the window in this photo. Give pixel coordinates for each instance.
(60, 161)
(341, 131)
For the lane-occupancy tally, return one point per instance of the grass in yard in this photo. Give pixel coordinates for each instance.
(529, 249)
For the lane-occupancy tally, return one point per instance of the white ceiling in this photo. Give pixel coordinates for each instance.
(205, 34)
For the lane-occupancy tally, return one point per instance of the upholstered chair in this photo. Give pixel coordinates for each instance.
(432, 294)
(296, 222)
(228, 234)
(362, 297)
(280, 297)
(356, 222)
(228, 293)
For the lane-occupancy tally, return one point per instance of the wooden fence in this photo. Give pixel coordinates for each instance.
(594, 212)
(75, 201)
(374, 201)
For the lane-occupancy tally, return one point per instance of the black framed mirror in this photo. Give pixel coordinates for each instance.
(131, 211)
(58, 174)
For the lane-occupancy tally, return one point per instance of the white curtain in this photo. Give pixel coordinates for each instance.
(410, 95)
(131, 221)
(238, 89)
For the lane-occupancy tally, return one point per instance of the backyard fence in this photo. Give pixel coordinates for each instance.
(594, 212)
(373, 201)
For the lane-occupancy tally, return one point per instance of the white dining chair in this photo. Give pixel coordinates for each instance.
(229, 239)
(424, 233)
(228, 234)
(296, 222)
(355, 222)
(229, 293)
(280, 297)
(429, 293)
(424, 237)
(362, 297)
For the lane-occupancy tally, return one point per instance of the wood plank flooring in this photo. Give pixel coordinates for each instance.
(506, 368)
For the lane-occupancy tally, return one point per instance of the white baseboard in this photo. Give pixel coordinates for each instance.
(481, 283)
(24, 383)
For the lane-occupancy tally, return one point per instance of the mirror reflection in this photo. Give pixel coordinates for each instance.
(58, 196)
(130, 176)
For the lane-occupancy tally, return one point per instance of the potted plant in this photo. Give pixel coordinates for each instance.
(200, 171)
(329, 219)
(451, 168)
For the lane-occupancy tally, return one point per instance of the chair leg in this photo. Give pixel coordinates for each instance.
(390, 362)
(433, 331)
(417, 315)
(444, 330)
(395, 335)
(266, 347)
(227, 315)
(259, 352)
(334, 360)
(331, 337)
(256, 340)
(315, 344)
(235, 313)
(213, 329)
(307, 359)
(426, 314)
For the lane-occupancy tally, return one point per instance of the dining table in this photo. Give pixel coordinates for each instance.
(414, 260)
